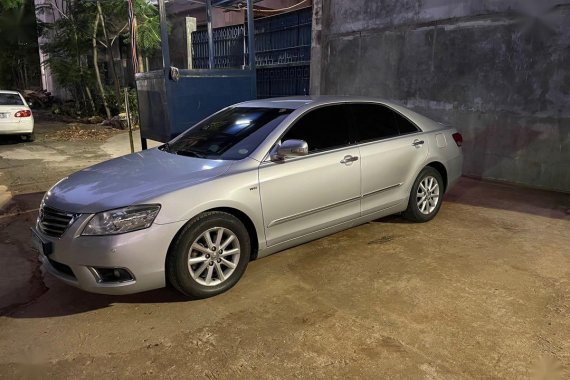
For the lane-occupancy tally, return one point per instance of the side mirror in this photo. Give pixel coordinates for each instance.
(290, 148)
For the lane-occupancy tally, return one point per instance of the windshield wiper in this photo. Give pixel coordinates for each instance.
(190, 153)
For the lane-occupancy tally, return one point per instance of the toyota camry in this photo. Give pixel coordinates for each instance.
(253, 179)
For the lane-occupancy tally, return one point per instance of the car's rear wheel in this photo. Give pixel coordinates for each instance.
(29, 137)
(209, 255)
(426, 196)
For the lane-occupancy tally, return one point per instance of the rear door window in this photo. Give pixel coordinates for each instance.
(372, 122)
(404, 125)
(323, 128)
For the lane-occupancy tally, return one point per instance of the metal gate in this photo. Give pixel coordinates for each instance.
(282, 54)
(171, 99)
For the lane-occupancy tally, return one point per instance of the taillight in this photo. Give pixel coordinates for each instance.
(458, 138)
(23, 113)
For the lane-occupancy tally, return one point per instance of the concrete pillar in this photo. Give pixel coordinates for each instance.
(190, 27)
(48, 15)
(316, 49)
(210, 34)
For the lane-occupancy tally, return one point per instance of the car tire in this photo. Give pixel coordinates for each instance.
(426, 196)
(29, 137)
(201, 263)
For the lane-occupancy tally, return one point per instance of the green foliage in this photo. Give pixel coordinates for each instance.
(10, 4)
(115, 104)
(148, 23)
(148, 26)
(70, 48)
(69, 38)
(19, 61)
(118, 105)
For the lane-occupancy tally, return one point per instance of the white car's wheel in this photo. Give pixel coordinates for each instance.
(209, 255)
(29, 137)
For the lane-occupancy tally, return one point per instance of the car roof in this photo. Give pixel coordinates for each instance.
(295, 102)
(8, 92)
(303, 103)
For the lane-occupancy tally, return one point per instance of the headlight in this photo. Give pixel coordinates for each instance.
(122, 220)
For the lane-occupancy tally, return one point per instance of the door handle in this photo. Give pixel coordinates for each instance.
(418, 143)
(348, 159)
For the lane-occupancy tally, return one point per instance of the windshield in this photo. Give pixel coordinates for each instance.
(10, 99)
(229, 135)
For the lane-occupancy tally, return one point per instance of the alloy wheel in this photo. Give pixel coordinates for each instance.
(427, 196)
(214, 256)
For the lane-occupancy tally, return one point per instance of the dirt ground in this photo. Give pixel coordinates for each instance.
(482, 291)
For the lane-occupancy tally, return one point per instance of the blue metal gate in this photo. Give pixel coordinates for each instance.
(282, 54)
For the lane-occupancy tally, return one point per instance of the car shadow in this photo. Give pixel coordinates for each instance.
(502, 196)
(393, 219)
(11, 140)
(22, 203)
(63, 300)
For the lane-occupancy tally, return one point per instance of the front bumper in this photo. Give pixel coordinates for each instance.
(142, 253)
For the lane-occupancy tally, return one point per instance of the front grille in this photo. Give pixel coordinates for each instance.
(62, 268)
(53, 222)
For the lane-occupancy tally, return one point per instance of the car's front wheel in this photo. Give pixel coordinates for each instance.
(426, 196)
(209, 255)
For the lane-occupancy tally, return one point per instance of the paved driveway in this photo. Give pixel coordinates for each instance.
(482, 291)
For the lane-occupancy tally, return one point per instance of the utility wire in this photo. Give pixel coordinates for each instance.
(241, 7)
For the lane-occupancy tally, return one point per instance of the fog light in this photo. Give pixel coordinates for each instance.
(110, 275)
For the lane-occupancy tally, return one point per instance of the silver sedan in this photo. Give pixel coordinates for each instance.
(253, 179)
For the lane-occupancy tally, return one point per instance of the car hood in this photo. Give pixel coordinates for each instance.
(129, 180)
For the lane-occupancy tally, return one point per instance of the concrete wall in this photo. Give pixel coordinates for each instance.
(497, 70)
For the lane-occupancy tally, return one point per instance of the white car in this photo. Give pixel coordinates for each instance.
(15, 115)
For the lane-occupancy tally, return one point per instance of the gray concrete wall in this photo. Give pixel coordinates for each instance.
(497, 70)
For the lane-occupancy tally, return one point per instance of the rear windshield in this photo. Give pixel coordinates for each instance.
(10, 100)
(229, 135)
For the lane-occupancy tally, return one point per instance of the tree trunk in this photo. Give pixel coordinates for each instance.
(92, 103)
(88, 91)
(96, 66)
(26, 80)
(15, 72)
(22, 84)
(110, 55)
(79, 63)
(80, 91)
